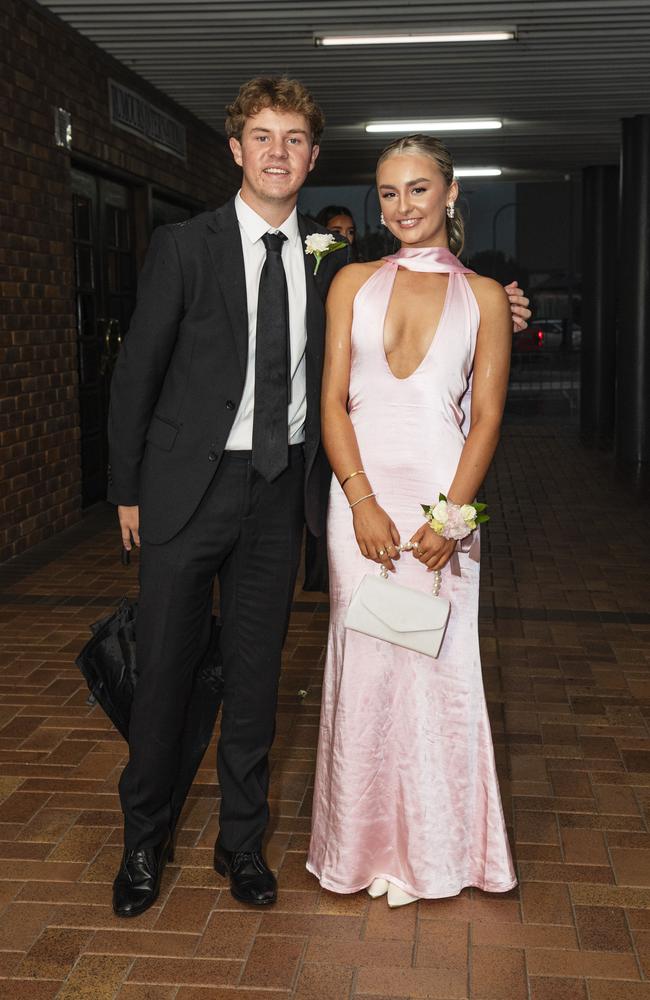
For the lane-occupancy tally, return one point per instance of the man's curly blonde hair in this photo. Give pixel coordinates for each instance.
(277, 92)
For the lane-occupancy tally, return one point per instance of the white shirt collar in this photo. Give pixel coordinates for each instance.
(255, 226)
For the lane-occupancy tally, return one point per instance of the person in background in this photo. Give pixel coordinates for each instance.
(338, 219)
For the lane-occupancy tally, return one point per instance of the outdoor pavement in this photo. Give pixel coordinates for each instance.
(565, 628)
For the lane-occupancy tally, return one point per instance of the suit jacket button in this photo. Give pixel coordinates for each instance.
(230, 405)
(212, 457)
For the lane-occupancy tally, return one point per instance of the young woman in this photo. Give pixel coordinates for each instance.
(407, 800)
(339, 220)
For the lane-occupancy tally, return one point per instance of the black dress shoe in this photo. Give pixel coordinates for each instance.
(137, 884)
(251, 880)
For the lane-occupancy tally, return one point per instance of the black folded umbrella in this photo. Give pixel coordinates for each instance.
(107, 662)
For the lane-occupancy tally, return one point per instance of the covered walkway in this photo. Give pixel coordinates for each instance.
(566, 652)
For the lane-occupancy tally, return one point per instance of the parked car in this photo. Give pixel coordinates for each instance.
(545, 335)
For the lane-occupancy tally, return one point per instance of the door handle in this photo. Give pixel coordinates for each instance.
(111, 334)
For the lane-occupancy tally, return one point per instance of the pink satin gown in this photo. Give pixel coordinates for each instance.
(406, 785)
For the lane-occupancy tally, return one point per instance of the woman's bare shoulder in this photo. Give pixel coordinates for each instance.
(351, 277)
(487, 290)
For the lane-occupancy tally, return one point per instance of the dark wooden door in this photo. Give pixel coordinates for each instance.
(105, 278)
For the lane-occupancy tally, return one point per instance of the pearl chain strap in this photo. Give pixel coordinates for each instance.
(437, 575)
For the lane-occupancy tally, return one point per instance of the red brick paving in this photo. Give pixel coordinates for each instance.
(565, 629)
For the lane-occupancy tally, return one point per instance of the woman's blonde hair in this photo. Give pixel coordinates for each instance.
(427, 145)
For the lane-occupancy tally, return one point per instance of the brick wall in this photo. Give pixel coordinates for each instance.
(46, 65)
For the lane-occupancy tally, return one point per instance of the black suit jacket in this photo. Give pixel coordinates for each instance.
(180, 373)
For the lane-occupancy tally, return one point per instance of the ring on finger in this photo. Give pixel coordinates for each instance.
(381, 553)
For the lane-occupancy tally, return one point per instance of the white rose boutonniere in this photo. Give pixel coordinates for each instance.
(320, 244)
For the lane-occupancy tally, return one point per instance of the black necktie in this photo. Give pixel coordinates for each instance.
(270, 418)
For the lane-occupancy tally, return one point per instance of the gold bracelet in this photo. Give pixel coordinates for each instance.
(367, 497)
(360, 472)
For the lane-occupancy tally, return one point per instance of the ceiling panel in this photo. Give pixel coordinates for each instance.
(576, 68)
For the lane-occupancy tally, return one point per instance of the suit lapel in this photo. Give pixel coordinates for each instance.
(315, 324)
(224, 243)
(315, 316)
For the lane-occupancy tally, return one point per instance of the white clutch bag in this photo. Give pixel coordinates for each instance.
(398, 614)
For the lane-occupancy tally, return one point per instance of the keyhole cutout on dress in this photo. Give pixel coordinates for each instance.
(416, 306)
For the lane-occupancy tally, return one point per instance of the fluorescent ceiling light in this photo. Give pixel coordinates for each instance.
(418, 39)
(477, 172)
(449, 125)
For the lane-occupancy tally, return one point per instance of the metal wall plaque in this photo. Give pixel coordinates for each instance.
(62, 128)
(136, 114)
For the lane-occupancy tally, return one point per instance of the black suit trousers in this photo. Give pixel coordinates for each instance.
(246, 532)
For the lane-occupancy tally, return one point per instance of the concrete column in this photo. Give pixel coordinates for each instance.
(599, 269)
(633, 335)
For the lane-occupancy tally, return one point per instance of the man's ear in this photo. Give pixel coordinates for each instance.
(235, 149)
(315, 150)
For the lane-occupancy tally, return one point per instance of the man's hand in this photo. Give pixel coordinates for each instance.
(129, 526)
(519, 306)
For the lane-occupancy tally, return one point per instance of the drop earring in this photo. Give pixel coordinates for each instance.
(382, 221)
(451, 211)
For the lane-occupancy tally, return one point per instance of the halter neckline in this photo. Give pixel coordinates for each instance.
(427, 259)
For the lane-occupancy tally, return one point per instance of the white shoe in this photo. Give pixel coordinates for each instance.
(378, 887)
(397, 896)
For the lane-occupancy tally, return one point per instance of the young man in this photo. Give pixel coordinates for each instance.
(216, 463)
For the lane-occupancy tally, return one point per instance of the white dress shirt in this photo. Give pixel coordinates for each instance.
(252, 227)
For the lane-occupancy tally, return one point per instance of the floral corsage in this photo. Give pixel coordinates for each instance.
(453, 520)
(320, 244)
